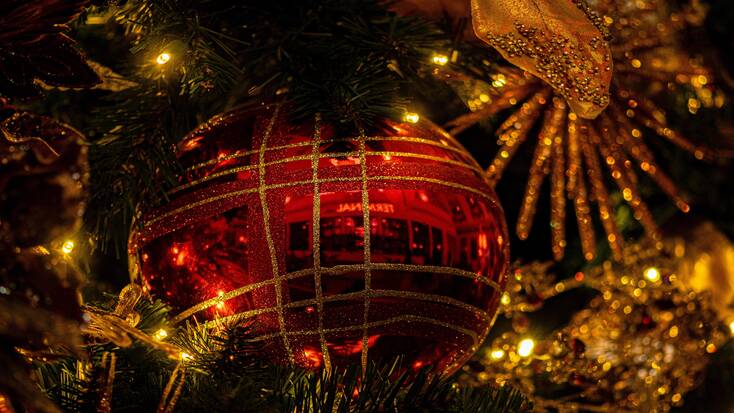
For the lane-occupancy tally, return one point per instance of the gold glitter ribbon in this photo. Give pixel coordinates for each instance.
(563, 42)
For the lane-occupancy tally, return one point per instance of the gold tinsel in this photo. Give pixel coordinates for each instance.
(640, 345)
(575, 152)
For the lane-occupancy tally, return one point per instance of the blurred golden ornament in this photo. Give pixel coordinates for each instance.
(640, 345)
(43, 172)
(705, 263)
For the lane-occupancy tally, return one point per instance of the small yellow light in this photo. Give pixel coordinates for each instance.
(220, 295)
(186, 356)
(411, 117)
(497, 354)
(505, 300)
(652, 274)
(160, 335)
(525, 348)
(163, 58)
(731, 327)
(67, 247)
(440, 59)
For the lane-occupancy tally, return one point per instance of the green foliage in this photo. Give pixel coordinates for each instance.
(350, 60)
(226, 374)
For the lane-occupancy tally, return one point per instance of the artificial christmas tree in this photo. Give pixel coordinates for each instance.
(319, 246)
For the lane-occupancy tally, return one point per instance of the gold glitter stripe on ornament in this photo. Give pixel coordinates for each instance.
(212, 176)
(458, 148)
(403, 318)
(436, 270)
(431, 181)
(460, 164)
(310, 182)
(340, 269)
(316, 239)
(200, 203)
(266, 227)
(366, 229)
(251, 167)
(327, 156)
(219, 299)
(242, 192)
(433, 298)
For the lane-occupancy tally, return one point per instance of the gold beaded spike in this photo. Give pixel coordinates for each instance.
(575, 152)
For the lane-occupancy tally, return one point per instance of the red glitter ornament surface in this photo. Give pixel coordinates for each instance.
(244, 235)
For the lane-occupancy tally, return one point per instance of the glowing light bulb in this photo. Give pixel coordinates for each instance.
(160, 335)
(186, 356)
(220, 303)
(652, 274)
(731, 327)
(497, 354)
(67, 247)
(163, 58)
(411, 117)
(440, 59)
(505, 300)
(525, 347)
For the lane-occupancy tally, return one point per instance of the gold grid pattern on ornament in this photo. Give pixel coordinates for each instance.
(317, 271)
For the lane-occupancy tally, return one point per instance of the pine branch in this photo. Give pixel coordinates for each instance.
(225, 373)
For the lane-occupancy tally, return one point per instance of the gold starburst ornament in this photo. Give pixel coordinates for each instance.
(575, 150)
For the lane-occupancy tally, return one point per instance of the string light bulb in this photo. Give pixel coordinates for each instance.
(652, 274)
(440, 59)
(525, 347)
(163, 58)
(497, 354)
(160, 335)
(731, 327)
(67, 247)
(186, 356)
(506, 299)
(411, 117)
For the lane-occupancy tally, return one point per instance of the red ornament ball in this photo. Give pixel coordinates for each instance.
(244, 235)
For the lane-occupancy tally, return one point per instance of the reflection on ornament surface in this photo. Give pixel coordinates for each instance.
(244, 235)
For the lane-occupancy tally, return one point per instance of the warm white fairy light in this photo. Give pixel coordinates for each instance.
(163, 58)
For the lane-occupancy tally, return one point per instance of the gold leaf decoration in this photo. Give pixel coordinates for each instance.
(562, 42)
